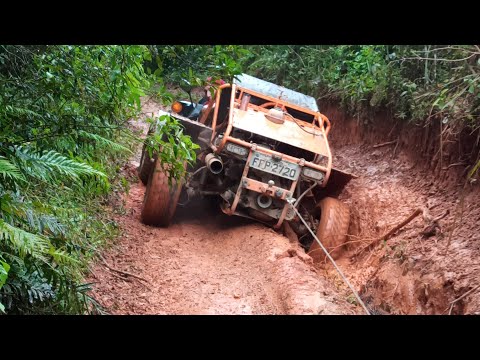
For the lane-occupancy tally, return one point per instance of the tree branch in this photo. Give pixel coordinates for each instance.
(392, 231)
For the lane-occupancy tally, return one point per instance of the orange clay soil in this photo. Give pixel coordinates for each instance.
(208, 263)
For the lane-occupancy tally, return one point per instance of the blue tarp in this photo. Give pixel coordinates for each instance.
(276, 91)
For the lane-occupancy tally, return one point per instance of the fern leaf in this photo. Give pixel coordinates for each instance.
(4, 268)
(104, 142)
(42, 223)
(61, 257)
(24, 242)
(9, 170)
(18, 111)
(52, 224)
(50, 164)
(16, 210)
(66, 166)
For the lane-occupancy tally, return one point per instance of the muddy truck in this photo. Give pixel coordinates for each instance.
(263, 147)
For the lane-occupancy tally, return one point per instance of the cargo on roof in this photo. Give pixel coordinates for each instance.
(267, 88)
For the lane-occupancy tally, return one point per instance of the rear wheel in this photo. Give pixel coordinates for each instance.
(146, 162)
(146, 166)
(160, 201)
(332, 229)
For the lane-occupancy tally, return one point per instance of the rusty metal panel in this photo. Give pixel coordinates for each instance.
(276, 91)
(289, 132)
(262, 188)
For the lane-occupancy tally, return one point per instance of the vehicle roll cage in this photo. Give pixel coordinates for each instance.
(236, 102)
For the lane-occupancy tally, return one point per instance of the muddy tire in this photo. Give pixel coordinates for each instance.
(146, 162)
(160, 201)
(146, 166)
(332, 229)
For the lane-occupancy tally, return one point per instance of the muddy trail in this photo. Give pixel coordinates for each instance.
(209, 263)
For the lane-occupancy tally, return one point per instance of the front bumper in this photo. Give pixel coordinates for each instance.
(259, 187)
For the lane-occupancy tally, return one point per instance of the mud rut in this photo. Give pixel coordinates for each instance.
(209, 263)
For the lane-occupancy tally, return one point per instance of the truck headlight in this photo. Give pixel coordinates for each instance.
(177, 107)
(313, 174)
(236, 149)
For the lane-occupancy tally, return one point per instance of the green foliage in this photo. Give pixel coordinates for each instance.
(9, 170)
(190, 66)
(174, 148)
(104, 142)
(64, 137)
(49, 165)
(3, 272)
(417, 81)
(63, 129)
(4, 268)
(24, 242)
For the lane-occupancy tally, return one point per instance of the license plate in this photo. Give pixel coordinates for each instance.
(277, 167)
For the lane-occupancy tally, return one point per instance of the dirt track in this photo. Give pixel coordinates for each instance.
(209, 263)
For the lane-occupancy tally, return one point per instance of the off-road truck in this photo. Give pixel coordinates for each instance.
(260, 145)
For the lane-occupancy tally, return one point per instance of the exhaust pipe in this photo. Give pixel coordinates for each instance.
(264, 201)
(214, 163)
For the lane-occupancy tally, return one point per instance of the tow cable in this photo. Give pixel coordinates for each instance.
(291, 201)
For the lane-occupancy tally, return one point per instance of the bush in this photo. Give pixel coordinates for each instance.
(63, 139)
(417, 82)
(63, 112)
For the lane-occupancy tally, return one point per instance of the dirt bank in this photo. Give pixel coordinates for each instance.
(411, 273)
(208, 263)
(446, 157)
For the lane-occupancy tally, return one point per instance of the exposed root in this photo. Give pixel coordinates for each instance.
(391, 232)
(461, 297)
(395, 148)
(121, 271)
(385, 143)
(460, 207)
(455, 164)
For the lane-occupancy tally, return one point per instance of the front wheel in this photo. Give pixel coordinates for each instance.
(160, 201)
(332, 229)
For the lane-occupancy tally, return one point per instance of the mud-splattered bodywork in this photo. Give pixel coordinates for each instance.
(269, 145)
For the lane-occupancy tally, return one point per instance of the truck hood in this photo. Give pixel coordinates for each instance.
(289, 132)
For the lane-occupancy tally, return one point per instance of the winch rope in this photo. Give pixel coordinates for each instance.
(304, 193)
(333, 261)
